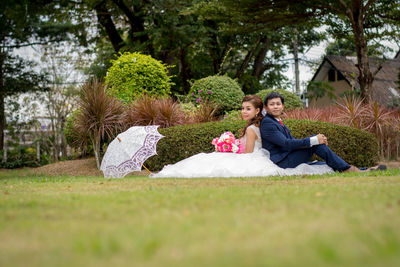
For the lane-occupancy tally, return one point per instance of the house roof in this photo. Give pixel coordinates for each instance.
(385, 88)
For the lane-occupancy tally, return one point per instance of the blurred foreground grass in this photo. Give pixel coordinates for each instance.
(346, 220)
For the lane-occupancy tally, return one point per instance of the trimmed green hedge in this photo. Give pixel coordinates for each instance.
(357, 147)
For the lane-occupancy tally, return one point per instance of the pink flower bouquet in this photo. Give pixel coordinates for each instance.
(227, 143)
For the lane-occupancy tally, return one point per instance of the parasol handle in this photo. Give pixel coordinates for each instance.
(146, 168)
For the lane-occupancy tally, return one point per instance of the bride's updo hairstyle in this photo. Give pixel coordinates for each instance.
(257, 103)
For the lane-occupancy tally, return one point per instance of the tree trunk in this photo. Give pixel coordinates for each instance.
(296, 63)
(63, 138)
(104, 18)
(136, 22)
(245, 63)
(185, 71)
(259, 68)
(96, 148)
(365, 77)
(2, 90)
(2, 119)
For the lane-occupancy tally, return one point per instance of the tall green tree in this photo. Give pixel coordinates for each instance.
(25, 23)
(267, 42)
(367, 21)
(183, 35)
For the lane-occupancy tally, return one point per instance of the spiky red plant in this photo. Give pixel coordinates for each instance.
(155, 111)
(350, 111)
(376, 119)
(314, 114)
(207, 111)
(101, 116)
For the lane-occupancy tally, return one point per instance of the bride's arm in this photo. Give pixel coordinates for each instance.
(250, 140)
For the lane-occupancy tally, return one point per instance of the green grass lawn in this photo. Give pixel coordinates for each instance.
(346, 220)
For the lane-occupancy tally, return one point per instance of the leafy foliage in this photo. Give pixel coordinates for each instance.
(132, 75)
(355, 146)
(222, 90)
(22, 156)
(367, 22)
(24, 23)
(318, 89)
(292, 101)
(233, 115)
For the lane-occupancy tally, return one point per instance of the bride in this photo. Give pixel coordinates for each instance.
(253, 162)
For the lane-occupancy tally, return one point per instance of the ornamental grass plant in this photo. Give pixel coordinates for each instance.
(149, 110)
(383, 122)
(206, 111)
(100, 116)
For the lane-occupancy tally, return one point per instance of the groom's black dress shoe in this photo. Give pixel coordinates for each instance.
(380, 167)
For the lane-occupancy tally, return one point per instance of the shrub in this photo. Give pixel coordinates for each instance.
(181, 142)
(206, 112)
(292, 101)
(233, 115)
(355, 146)
(155, 111)
(133, 74)
(70, 131)
(75, 138)
(222, 90)
(21, 156)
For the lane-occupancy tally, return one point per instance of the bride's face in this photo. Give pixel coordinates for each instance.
(249, 111)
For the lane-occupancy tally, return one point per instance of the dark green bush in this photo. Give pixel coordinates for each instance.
(22, 156)
(134, 74)
(222, 90)
(292, 101)
(355, 146)
(69, 130)
(181, 142)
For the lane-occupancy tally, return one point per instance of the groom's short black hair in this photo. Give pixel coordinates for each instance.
(272, 96)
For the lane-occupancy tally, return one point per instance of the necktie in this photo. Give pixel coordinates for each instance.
(281, 123)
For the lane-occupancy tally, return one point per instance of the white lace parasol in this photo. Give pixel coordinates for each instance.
(127, 152)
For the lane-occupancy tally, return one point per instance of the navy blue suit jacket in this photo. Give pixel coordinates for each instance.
(278, 140)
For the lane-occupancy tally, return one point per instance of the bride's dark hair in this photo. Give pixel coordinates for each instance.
(257, 103)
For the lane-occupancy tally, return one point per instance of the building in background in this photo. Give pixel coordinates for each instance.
(341, 73)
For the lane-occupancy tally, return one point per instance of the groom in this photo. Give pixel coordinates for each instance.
(288, 152)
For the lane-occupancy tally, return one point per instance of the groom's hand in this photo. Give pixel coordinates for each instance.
(322, 139)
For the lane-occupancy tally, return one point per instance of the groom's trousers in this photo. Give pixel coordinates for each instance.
(299, 156)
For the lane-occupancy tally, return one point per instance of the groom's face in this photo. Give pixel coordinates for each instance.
(275, 107)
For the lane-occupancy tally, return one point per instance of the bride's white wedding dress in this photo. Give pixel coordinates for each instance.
(219, 164)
